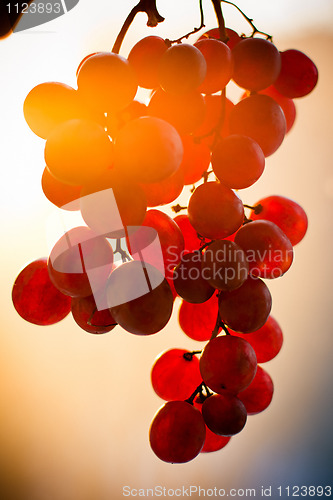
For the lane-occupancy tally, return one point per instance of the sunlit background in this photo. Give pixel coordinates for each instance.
(75, 409)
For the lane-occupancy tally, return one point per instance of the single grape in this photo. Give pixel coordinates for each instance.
(189, 281)
(49, 104)
(80, 262)
(224, 414)
(238, 161)
(257, 63)
(145, 57)
(213, 442)
(175, 374)
(89, 318)
(219, 65)
(115, 121)
(182, 68)
(185, 112)
(267, 248)
(247, 308)
(198, 320)
(287, 105)
(218, 109)
(177, 433)
(215, 211)
(267, 341)
(228, 364)
(139, 298)
(233, 37)
(148, 149)
(36, 299)
(77, 151)
(59, 193)
(285, 213)
(262, 119)
(258, 395)
(298, 75)
(224, 265)
(107, 82)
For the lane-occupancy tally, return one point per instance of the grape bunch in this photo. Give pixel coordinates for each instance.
(115, 159)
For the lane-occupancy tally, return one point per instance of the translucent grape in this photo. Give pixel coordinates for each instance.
(215, 211)
(262, 119)
(267, 248)
(267, 341)
(198, 320)
(148, 149)
(247, 308)
(175, 374)
(77, 151)
(191, 240)
(257, 63)
(177, 432)
(298, 75)
(107, 82)
(224, 414)
(36, 299)
(145, 57)
(196, 159)
(89, 318)
(166, 191)
(228, 364)
(219, 65)
(189, 281)
(258, 395)
(182, 68)
(238, 161)
(59, 193)
(285, 213)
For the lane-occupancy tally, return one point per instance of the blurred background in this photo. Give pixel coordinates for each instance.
(75, 409)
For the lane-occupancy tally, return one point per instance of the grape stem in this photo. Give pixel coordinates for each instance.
(220, 19)
(124, 255)
(189, 355)
(250, 21)
(195, 30)
(257, 208)
(154, 18)
(178, 208)
(198, 390)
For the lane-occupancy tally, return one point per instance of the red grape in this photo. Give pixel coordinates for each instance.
(267, 341)
(267, 248)
(213, 442)
(285, 213)
(258, 395)
(89, 318)
(247, 308)
(287, 105)
(198, 320)
(107, 82)
(175, 374)
(80, 262)
(224, 265)
(189, 281)
(219, 65)
(218, 109)
(166, 191)
(177, 433)
(36, 299)
(224, 414)
(185, 112)
(139, 297)
(238, 161)
(228, 364)
(262, 119)
(234, 38)
(257, 63)
(145, 57)
(148, 149)
(77, 151)
(215, 211)
(298, 75)
(182, 68)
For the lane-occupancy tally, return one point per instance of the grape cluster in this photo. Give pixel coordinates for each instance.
(111, 157)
